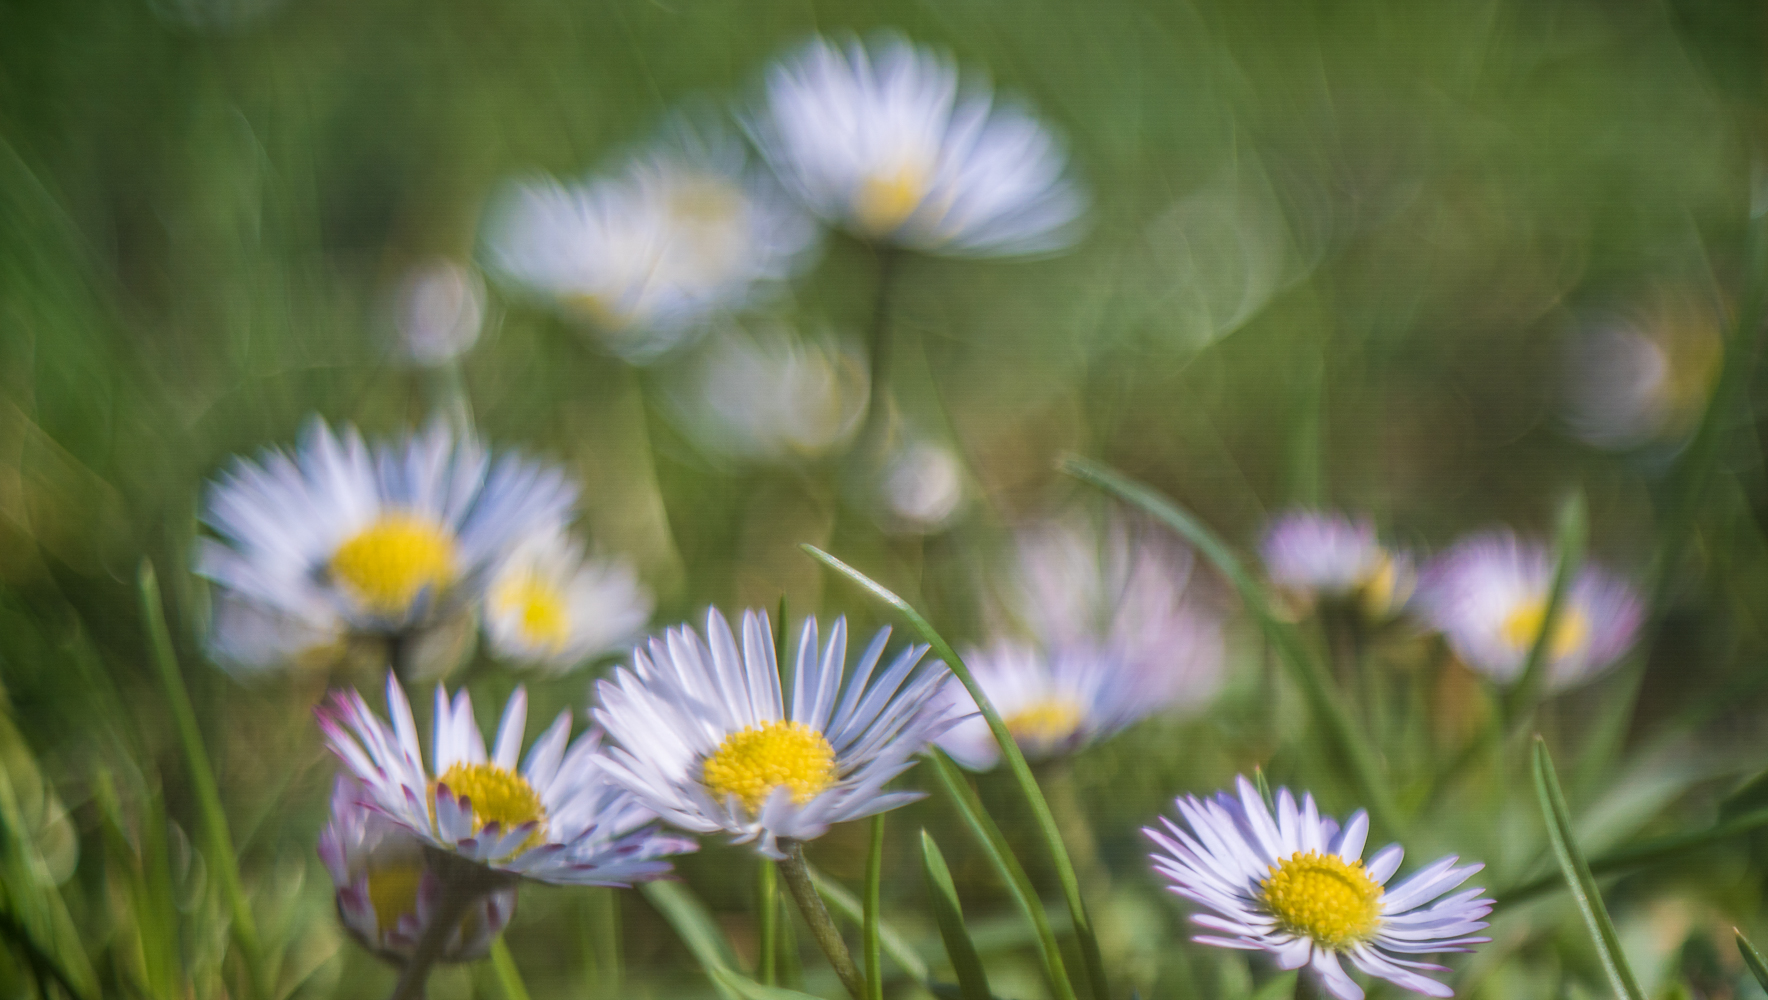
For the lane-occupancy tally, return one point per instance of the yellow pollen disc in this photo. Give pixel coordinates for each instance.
(387, 564)
(1322, 896)
(497, 796)
(885, 202)
(1379, 586)
(754, 761)
(1522, 626)
(599, 310)
(1044, 722)
(392, 891)
(538, 608)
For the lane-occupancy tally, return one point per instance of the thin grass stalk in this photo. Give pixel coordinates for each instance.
(849, 907)
(874, 956)
(1568, 552)
(509, 978)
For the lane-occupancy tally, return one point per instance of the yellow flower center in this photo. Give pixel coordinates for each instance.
(599, 310)
(1522, 626)
(754, 761)
(1380, 586)
(538, 608)
(497, 796)
(388, 564)
(1323, 897)
(1044, 722)
(392, 891)
(885, 201)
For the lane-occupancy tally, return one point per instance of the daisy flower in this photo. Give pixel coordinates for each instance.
(1295, 885)
(707, 738)
(555, 819)
(684, 231)
(877, 138)
(550, 609)
(772, 395)
(1120, 633)
(921, 486)
(1643, 375)
(387, 892)
(1488, 596)
(335, 540)
(438, 311)
(1319, 555)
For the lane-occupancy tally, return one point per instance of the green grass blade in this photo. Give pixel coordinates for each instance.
(697, 930)
(1568, 552)
(1028, 786)
(35, 916)
(1752, 958)
(1322, 697)
(509, 979)
(1578, 877)
(874, 958)
(743, 988)
(1648, 852)
(894, 943)
(966, 963)
(202, 777)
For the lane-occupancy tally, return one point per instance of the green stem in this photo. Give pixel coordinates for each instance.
(816, 915)
(1057, 778)
(508, 976)
(1568, 551)
(464, 884)
(874, 955)
(767, 894)
(878, 353)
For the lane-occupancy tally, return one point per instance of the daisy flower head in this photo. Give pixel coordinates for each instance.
(438, 312)
(708, 738)
(1316, 555)
(555, 818)
(1295, 885)
(336, 539)
(549, 608)
(388, 892)
(1643, 375)
(684, 231)
(1119, 630)
(921, 486)
(876, 137)
(772, 395)
(1488, 596)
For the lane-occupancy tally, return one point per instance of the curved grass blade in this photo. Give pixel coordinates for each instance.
(1028, 786)
(1579, 879)
(873, 958)
(737, 985)
(850, 909)
(1752, 958)
(509, 978)
(1568, 552)
(1322, 697)
(202, 776)
(696, 929)
(966, 963)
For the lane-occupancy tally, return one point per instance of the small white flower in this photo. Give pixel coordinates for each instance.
(1295, 886)
(334, 540)
(878, 139)
(438, 310)
(387, 892)
(1317, 555)
(1488, 596)
(772, 395)
(549, 608)
(557, 819)
(1643, 375)
(707, 739)
(922, 486)
(684, 232)
(1121, 633)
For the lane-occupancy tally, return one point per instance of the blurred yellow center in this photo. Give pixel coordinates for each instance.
(538, 608)
(497, 796)
(1379, 586)
(885, 201)
(1522, 626)
(1323, 897)
(599, 310)
(1044, 721)
(389, 563)
(754, 761)
(392, 891)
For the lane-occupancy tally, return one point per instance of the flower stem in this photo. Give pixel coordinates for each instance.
(463, 885)
(1057, 777)
(822, 926)
(878, 353)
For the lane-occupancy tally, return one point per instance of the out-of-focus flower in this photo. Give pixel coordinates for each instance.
(706, 738)
(335, 541)
(557, 819)
(686, 231)
(388, 893)
(439, 310)
(921, 486)
(876, 138)
(550, 609)
(772, 395)
(1295, 886)
(1643, 377)
(1316, 555)
(1488, 596)
(1121, 633)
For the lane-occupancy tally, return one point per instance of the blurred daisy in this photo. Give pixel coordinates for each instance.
(556, 819)
(1295, 885)
(1646, 376)
(1121, 633)
(685, 231)
(921, 486)
(438, 310)
(1317, 555)
(706, 738)
(549, 608)
(1488, 596)
(334, 540)
(772, 395)
(387, 892)
(876, 138)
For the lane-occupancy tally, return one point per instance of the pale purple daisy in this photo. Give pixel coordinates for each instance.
(1320, 555)
(1295, 885)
